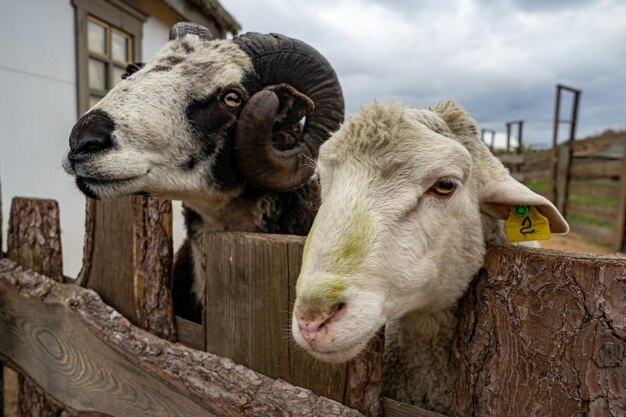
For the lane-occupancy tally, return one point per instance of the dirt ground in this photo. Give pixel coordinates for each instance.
(573, 242)
(570, 242)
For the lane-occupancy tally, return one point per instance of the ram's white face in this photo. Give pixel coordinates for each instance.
(161, 131)
(399, 229)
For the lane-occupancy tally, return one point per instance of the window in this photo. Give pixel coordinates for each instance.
(108, 37)
(110, 50)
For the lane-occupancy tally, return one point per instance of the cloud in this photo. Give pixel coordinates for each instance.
(500, 60)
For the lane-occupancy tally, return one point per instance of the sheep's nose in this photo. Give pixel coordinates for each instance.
(311, 328)
(92, 134)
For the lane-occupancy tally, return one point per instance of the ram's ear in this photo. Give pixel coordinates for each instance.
(499, 195)
(293, 104)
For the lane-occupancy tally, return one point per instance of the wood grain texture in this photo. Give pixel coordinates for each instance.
(251, 281)
(542, 333)
(128, 259)
(34, 242)
(90, 357)
(393, 408)
(619, 241)
(365, 378)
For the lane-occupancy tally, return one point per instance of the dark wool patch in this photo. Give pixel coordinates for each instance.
(185, 303)
(173, 60)
(214, 125)
(160, 68)
(187, 47)
(189, 164)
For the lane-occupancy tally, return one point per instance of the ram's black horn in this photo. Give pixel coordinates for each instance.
(279, 59)
(181, 29)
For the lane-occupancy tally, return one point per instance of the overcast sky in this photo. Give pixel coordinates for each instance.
(500, 59)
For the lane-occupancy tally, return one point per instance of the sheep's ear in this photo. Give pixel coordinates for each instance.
(457, 119)
(293, 104)
(499, 195)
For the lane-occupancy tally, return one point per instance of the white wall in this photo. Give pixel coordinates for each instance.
(38, 109)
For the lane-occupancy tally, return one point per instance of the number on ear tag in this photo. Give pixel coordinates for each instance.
(526, 223)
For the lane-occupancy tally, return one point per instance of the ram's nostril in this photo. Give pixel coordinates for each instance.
(93, 133)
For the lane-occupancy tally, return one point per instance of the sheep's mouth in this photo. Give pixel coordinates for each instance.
(339, 355)
(99, 188)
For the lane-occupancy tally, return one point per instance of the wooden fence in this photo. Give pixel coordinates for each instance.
(587, 183)
(541, 333)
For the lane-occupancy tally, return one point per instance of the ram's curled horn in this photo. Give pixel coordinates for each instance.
(181, 29)
(277, 60)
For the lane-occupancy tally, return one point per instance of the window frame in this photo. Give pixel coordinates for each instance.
(116, 14)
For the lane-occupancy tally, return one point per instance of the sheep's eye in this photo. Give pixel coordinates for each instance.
(232, 99)
(444, 187)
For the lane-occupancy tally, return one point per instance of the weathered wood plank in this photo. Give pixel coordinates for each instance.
(90, 357)
(189, 333)
(607, 213)
(511, 159)
(619, 242)
(596, 189)
(250, 291)
(34, 237)
(393, 408)
(128, 259)
(563, 174)
(594, 168)
(365, 378)
(536, 176)
(247, 300)
(34, 242)
(543, 333)
(598, 234)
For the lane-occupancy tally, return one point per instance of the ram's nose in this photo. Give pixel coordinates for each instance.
(92, 134)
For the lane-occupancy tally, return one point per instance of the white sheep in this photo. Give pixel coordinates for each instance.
(217, 124)
(410, 198)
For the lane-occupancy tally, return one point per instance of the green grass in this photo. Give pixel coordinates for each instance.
(589, 220)
(536, 186)
(594, 201)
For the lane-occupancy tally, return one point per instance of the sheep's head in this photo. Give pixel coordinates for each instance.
(205, 117)
(405, 193)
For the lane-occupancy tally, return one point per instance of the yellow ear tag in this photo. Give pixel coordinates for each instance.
(526, 223)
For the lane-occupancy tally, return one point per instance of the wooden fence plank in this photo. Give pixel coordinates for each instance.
(596, 189)
(34, 242)
(598, 234)
(247, 300)
(563, 174)
(619, 242)
(250, 291)
(34, 237)
(606, 213)
(536, 176)
(393, 408)
(594, 168)
(128, 259)
(543, 333)
(90, 357)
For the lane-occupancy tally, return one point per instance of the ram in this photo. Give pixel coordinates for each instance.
(230, 127)
(410, 199)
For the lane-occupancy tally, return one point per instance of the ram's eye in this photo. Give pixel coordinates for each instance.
(444, 187)
(232, 99)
